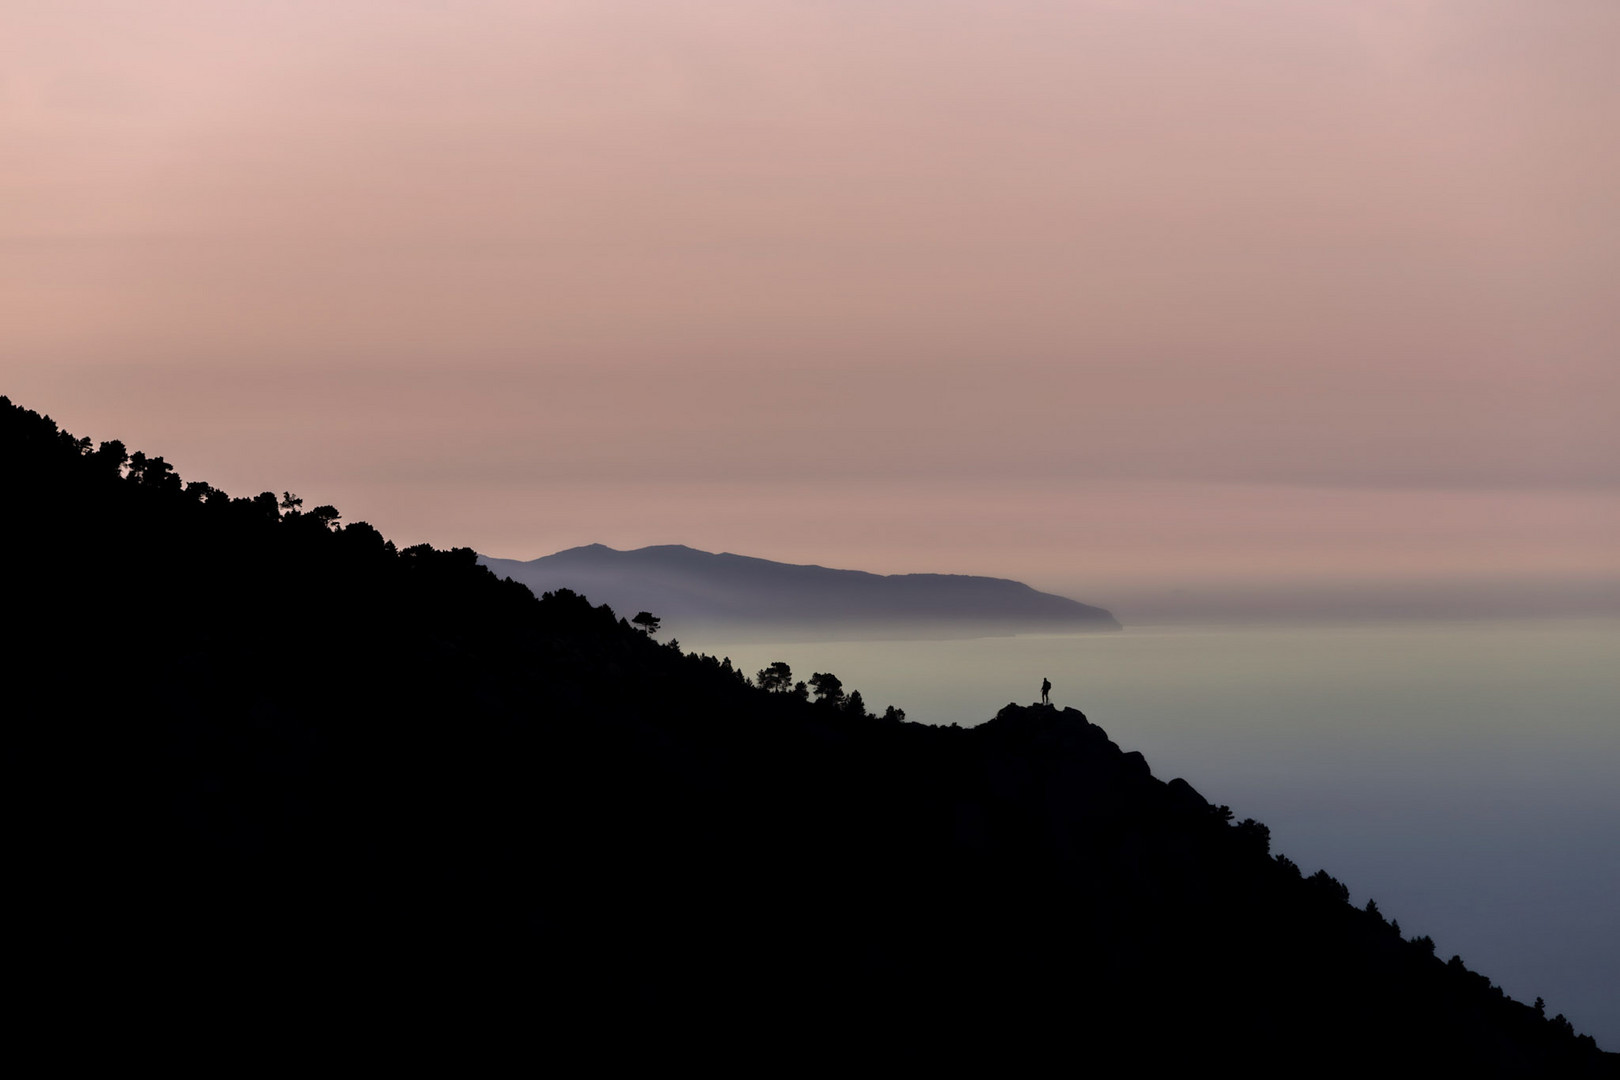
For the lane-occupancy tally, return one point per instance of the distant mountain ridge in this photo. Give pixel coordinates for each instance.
(684, 585)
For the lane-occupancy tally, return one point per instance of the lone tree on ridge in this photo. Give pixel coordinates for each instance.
(778, 678)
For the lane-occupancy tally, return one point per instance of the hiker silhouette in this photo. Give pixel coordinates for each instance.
(1046, 691)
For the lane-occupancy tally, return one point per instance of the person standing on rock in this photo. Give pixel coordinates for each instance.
(1046, 691)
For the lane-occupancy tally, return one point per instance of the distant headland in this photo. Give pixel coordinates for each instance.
(686, 586)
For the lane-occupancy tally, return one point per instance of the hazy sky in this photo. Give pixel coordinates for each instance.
(1112, 296)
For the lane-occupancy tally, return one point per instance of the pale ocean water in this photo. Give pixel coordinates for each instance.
(1466, 775)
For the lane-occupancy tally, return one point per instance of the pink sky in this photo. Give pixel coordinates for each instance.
(1111, 296)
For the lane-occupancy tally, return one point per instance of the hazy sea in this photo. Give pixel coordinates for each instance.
(1466, 775)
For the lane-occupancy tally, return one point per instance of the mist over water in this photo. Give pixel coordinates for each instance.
(1460, 773)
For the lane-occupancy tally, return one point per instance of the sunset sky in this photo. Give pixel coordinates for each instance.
(1129, 299)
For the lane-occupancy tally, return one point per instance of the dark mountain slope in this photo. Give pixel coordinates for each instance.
(686, 586)
(279, 778)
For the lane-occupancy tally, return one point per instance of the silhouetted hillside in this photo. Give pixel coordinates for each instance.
(687, 587)
(279, 778)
